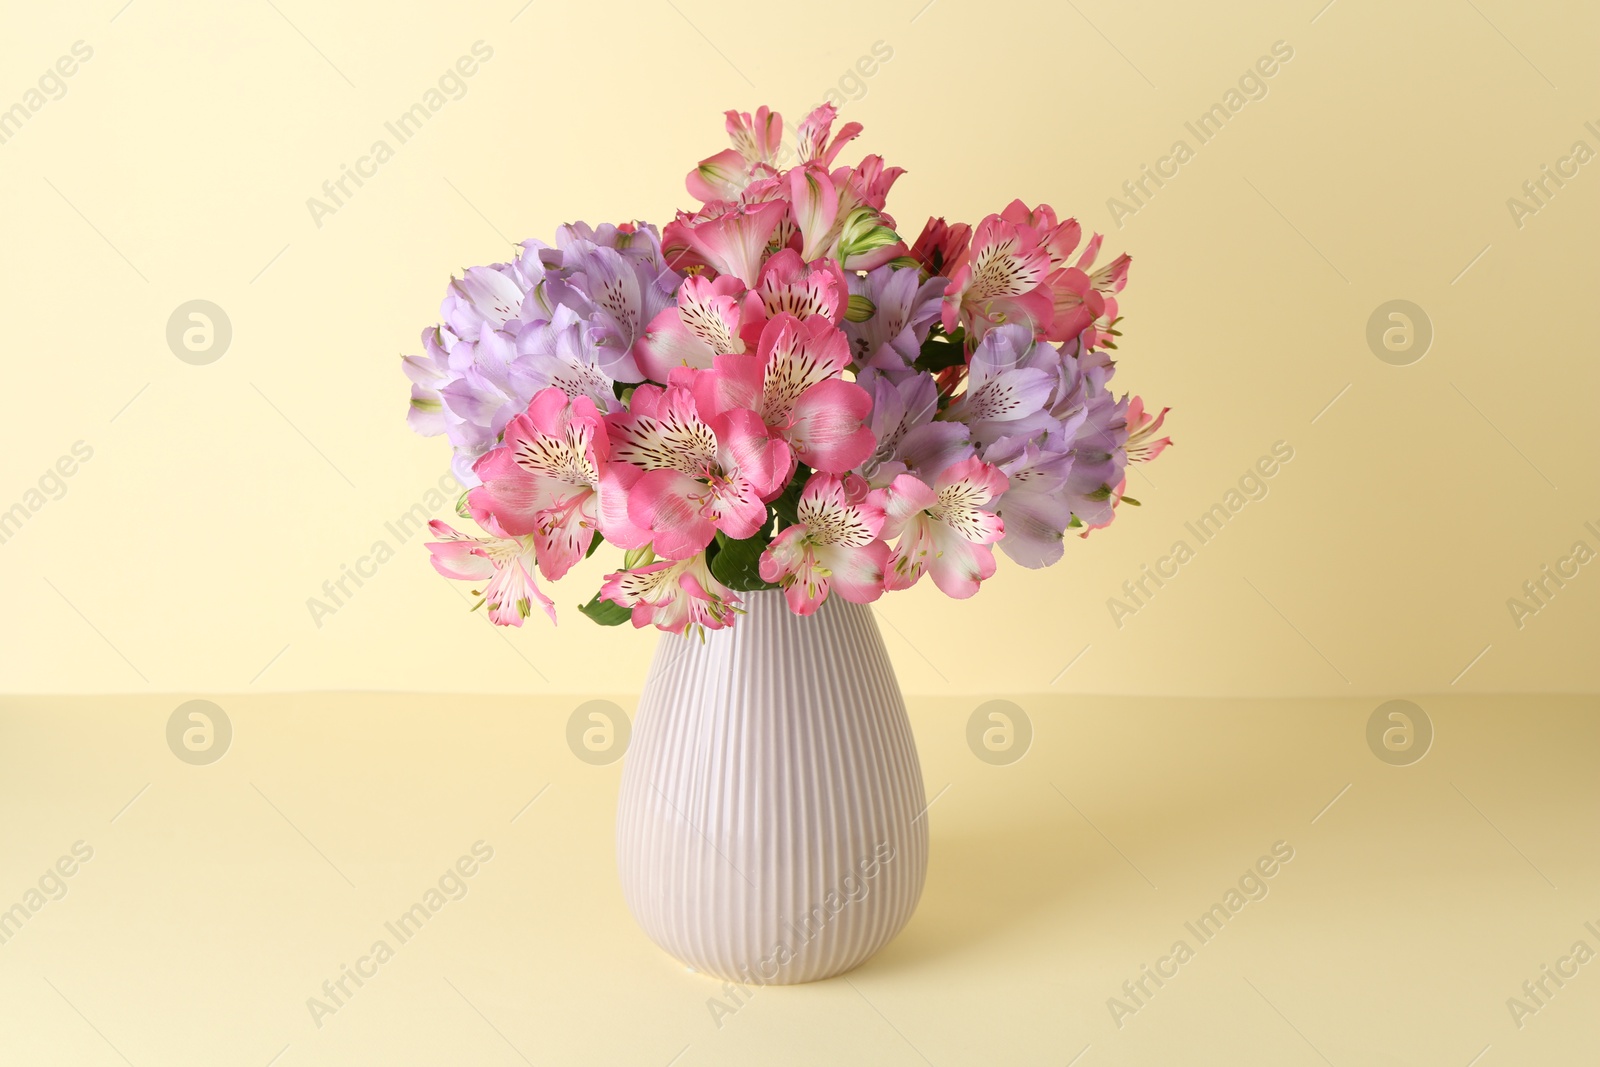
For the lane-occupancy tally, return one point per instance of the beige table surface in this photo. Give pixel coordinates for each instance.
(219, 898)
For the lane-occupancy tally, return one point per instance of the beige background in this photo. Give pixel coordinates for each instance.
(178, 165)
(220, 497)
(221, 897)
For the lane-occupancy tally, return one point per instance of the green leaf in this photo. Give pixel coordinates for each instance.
(605, 612)
(786, 508)
(940, 351)
(594, 546)
(737, 562)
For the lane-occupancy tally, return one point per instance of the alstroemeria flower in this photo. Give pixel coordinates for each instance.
(702, 471)
(907, 438)
(834, 547)
(815, 205)
(483, 296)
(1034, 506)
(728, 236)
(1099, 460)
(1142, 426)
(904, 309)
(1057, 238)
(488, 384)
(944, 529)
(941, 247)
(757, 142)
(673, 595)
(1000, 280)
(792, 387)
(870, 181)
(813, 135)
(707, 321)
(1085, 299)
(487, 359)
(1004, 395)
(565, 354)
(506, 563)
(544, 479)
(790, 285)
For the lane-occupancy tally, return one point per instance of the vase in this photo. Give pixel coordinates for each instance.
(771, 826)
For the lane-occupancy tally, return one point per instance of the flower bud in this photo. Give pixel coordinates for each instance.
(859, 309)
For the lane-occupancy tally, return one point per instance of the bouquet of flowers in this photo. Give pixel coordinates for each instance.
(774, 392)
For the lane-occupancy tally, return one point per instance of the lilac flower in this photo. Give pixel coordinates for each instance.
(905, 307)
(568, 352)
(1035, 507)
(566, 316)
(1008, 386)
(908, 440)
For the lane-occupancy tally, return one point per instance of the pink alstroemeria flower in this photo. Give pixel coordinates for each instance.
(813, 135)
(544, 478)
(1142, 426)
(1057, 238)
(1000, 280)
(1085, 299)
(728, 236)
(673, 595)
(757, 142)
(507, 563)
(695, 472)
(789, 284)
(834, 547)
(707, 321)
(792, 387)
(942, 246)
(943, 529)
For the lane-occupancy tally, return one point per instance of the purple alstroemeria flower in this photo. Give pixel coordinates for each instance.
(904, 309)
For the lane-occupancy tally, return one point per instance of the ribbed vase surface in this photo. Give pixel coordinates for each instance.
(770, 827)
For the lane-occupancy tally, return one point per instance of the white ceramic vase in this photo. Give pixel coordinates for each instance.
(771, 825)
